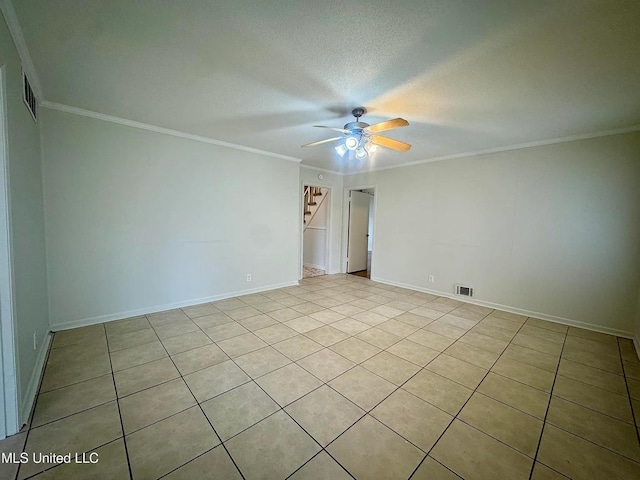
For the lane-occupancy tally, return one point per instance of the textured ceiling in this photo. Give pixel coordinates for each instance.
(467, 75)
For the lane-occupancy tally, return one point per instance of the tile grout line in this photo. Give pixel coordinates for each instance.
(546, 413)
(283, 409)
(600, 370)
(569, 360)
(564, 376)
(398, 387)
(322, 449)
(371, 409)
(633, 413)
(58, 465)
(596, 411)
(571, 378)
(280, 409)
(193, 459)
(566, 400)
(462, 408)
(73, 384)
(201, 411)
(85, 410)
(79, 411)
(323, 384)
(589, 408)
(593, 443)
(115, 388)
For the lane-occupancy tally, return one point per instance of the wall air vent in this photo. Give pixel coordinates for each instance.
(28, 97)
(464, 290)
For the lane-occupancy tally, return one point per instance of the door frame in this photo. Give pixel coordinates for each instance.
(328, 230)
(9, 381)
(345, 225)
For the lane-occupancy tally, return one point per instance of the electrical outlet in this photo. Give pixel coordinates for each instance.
(35, 341)
(431, 279)
(249, 277)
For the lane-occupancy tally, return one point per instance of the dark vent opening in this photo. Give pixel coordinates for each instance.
(29, 98)
(464, 291)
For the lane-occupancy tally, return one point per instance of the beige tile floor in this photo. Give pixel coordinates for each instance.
(339, 377)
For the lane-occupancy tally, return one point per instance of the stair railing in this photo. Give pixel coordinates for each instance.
(312, 192)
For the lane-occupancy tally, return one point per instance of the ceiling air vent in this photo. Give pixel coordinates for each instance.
(464, 291)
(28, 97)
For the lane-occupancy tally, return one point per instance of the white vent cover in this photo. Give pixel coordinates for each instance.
(28, 97)
(464, 290)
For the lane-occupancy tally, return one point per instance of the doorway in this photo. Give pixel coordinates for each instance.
(315, 230)
(360, 231)
(8, 378)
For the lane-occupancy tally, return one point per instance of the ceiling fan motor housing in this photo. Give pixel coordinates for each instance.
(358, 112)
(356, 127)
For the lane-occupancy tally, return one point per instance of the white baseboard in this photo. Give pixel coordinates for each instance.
(84, 322)
(26, 403)
(320, 267)
(529, 313)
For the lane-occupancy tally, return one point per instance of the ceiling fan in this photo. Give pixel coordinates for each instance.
(362, 138)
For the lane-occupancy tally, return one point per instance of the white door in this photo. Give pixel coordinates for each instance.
(357, 249)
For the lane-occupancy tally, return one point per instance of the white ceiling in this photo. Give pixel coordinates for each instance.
(467, 75)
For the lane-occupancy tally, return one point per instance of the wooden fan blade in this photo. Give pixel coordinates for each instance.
(342, 130)
(313, 144)
(390, 143)
(388, 125)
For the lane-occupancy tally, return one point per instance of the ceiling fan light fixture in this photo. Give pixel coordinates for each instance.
(351, 143)
(363, 139)
(341, 149)
(361, 153)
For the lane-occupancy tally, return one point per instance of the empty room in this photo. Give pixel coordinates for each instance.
(319, 240)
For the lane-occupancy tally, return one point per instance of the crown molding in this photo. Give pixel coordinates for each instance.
(519, 146)
(21, 46)
(165, 131)
(6, 7)
(212, 141)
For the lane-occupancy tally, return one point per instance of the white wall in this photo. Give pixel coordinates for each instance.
(314, 243)
(552, 229)
(27, 227)
(315, 248)
(139, 221)
(334, 182)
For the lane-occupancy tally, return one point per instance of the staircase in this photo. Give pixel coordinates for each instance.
(313, 198)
